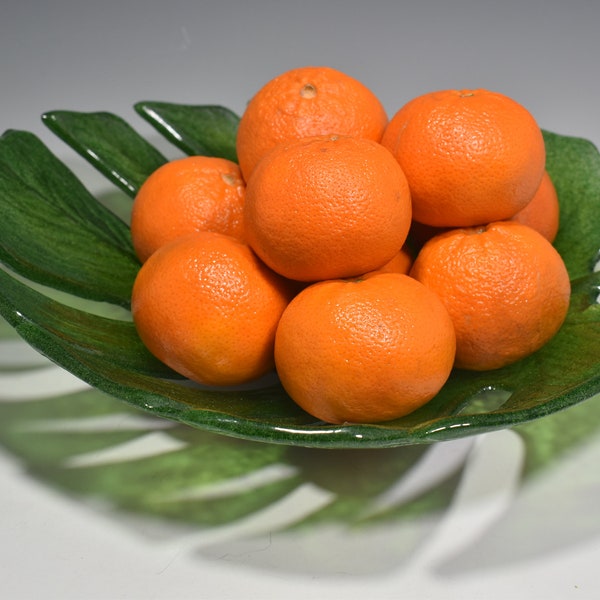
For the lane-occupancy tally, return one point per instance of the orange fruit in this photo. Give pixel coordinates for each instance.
(305, 102)
(207, 307)
(365, 350)
(542, 213)
(327, 207)
(505, 286)
(400, 263)
(470, 156)
(195, 193)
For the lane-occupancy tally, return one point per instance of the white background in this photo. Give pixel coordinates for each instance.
(108, 55)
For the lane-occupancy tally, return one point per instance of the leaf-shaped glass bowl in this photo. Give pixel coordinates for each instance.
(68, 266)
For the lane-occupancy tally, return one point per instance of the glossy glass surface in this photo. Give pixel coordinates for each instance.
(69, 266)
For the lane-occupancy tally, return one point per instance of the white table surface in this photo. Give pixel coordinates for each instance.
(501, 536)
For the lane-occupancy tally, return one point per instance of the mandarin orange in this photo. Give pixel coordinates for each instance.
(327, 207)
(365, 350)
(305, 102)
(195, 193)
(400, 263)
(470, 156)
(505, 286)
(207, 307)
(543, 212)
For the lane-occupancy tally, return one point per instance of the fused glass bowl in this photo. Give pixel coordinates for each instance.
(67, 267)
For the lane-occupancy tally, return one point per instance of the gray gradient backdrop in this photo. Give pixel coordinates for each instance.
(107, 55)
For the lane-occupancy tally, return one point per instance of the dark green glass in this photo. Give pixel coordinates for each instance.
(55, 234)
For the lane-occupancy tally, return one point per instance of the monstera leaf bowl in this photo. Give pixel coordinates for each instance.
(67, 267)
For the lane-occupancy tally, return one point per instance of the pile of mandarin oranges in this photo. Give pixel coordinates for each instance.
(360, 257)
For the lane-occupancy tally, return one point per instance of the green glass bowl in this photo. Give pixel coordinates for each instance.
(68, 267)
